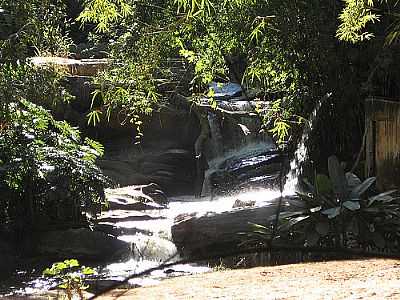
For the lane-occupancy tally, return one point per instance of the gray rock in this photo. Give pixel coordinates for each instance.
(116, 216)
(83, 243)
(137, 197)
(243, 203)
(154, 191)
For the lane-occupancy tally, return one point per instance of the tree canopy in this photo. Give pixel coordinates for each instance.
(287, 51)
(277, 47)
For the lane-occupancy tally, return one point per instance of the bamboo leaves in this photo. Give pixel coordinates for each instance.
(354, 19)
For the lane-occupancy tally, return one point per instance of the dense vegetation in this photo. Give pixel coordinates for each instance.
(47, 170)
(287, 51)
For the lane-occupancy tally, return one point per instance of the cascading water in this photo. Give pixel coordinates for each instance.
(239, 156)
(243, 165)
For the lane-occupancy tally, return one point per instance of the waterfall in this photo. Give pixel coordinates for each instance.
(217, 146)
(239, 156)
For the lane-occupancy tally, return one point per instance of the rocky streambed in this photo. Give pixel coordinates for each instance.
(133, 235)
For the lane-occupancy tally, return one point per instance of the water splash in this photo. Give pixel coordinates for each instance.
(249, 153)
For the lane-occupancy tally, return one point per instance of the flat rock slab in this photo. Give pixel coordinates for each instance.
(84, 67)
(137, 197)
(127, 203)
(116, 216)
(112, 229)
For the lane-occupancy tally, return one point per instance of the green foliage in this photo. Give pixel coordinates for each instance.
(71, 276)
(128, 90)
(354, 19)
(105, 12)
(47, 171)
(273, 42)
(33, 27)
(338, 211)
(358, 16)
(42, 85)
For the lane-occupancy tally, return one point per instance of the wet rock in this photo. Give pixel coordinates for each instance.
(140, 197)
(112, 229)
(253, 170)
(154, 191)
(82, 243)
(165, 155)
(116, 216)
(243, 203)
(153, 247)
(108, 228)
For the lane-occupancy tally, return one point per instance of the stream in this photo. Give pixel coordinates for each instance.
(244, 166)
(152, 245)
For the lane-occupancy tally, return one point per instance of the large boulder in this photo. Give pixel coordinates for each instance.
(214, 234)
(82, 243)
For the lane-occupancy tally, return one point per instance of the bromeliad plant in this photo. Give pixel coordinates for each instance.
(338, 211)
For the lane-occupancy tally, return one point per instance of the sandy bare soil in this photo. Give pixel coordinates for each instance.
(355, 279)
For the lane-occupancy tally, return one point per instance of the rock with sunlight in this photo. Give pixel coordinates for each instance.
(213, 234)
(140, 197)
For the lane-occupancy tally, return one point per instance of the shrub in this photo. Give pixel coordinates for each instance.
(47, 170)
(71, 276)
(47, 173)
(338, 211)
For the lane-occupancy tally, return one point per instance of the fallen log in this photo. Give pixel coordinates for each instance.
(218, 233)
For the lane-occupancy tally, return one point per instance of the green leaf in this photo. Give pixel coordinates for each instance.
(70, 263)
(362, 188)
(382, 197)
(59, 266)
(291, 222)
(352, 180)
(287, 215)
(332, 212)
(352, 205)
(48, 272)
(87, 271)
(63, 286)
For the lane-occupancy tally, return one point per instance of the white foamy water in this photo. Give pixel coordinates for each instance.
(151, 250)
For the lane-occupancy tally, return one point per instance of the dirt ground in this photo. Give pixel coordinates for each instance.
(354, 279)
